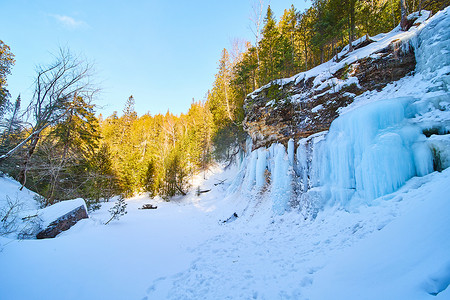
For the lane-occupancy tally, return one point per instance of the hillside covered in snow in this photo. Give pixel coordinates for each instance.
(360, 210)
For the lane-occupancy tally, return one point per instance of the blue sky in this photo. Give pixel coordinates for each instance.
(164, 53)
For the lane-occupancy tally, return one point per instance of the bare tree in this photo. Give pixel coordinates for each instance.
(238, 47)
(256, 18)
(56, 86)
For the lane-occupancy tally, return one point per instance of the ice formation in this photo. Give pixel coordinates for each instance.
(373, 150)
(376, 144)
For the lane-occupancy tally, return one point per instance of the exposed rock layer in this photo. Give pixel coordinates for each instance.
(298, 109)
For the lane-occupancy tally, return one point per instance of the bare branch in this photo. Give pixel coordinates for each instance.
(56, 86)
(256, 18)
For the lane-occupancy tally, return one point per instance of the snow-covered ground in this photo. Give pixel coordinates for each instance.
(398, 248)
(243, 240)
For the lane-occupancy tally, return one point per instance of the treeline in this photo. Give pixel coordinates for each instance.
(302, 40)
(158, 154)
(57, 147)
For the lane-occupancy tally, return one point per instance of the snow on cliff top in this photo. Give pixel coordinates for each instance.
(324, 71)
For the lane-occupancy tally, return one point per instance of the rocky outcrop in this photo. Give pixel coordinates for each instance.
(307, 104)
(63, 223)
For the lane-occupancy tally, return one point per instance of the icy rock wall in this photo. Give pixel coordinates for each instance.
(432, 47)
(281, 178)
(368, 152)
(268, 171)
(372, 149)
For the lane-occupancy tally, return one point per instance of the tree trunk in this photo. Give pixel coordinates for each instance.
(351, 24)
(179, 189)
(404, 13)
(321, 54)
(306, 56)
(22, 177)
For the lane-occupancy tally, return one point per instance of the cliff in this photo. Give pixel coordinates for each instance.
(308, 102)
(356, 128)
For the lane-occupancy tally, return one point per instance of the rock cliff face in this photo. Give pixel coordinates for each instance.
(308, 102)
(356, 128)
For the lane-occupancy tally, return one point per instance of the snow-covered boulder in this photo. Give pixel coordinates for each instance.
(61, 216)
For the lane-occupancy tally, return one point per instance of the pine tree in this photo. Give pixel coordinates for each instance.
(304, 28)
(220, 98)
(6, 63)
(118, 210)
(245, 71)
(269, 49)
(99, 179)
(150, 182)
(290, 63)
(73, 139)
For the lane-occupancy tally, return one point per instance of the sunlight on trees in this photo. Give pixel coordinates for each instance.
(64, 151)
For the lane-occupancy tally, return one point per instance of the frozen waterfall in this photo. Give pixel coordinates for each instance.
(374, 146)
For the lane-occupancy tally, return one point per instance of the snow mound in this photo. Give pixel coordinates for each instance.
(10, 189)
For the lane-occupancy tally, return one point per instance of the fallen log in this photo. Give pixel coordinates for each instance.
(199, 191)
(148, 206)
(220, 182)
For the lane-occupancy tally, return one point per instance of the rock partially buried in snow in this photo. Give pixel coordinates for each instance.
(61, 216)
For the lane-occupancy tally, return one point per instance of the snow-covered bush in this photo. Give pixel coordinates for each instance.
(12, 220)
(9, 216)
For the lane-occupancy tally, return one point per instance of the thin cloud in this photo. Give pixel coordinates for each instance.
(69, 22)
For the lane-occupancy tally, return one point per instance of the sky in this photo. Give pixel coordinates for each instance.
(164, 53)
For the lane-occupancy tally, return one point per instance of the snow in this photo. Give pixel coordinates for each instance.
(336, 84)
(16, 207)
(415, 262)
(28, 208)
(317, 108)
(354, 213)
(397, 249)
(10, 189)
